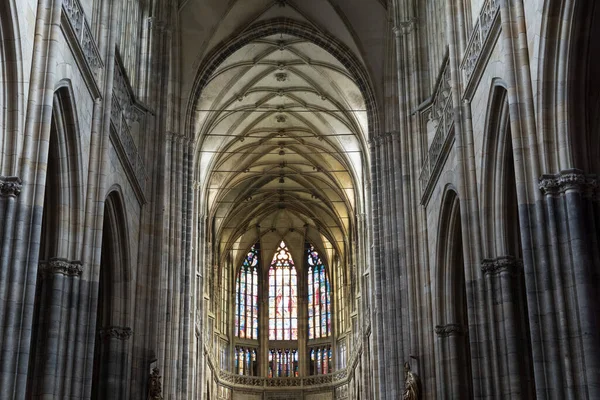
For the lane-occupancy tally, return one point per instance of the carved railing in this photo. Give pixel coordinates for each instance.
(442, 111)
(83, 34)
(124, 112)
(480, 37)
(333, 380)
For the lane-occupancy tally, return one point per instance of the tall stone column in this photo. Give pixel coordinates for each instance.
(452, 345)
(378, 275)
(571, 209)
(114, 383)
(22, 216)
(10, 188)
(502, 277)
(53, 334)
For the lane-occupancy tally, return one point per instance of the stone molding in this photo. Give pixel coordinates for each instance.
(76, 17)
(441, 111)
(261, 382)
(383, 138)
(116, 332)
(403, 28)
(568, 180)
(493, 266)
(450, 330)
(126, 111)
(157, 25)
(480, 43)
(61, 266)
(10, 186)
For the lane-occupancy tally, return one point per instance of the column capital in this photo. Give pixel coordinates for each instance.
(10, 186)
(493, 266)
(61, 266)
(450, 330)
(391, 136)
(402, 28)
(567, 180)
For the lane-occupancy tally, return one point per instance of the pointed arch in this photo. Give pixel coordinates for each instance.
(503, 247)
(117, 258)
(61, 235)
(62, 222)
(319, 296)
(500, 218)
(246, 295)
(568, 101)
(111, 366)
(452, 328)
(283, 296)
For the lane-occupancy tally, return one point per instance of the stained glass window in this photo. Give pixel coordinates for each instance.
(283, 309)
(320, 360)
(245, 361)
(283, 363)
(319, 297)
(246, 300)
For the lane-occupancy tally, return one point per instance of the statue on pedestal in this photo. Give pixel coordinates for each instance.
(411, 384)
(155, 385)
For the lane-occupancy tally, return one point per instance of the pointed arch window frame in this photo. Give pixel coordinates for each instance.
(319, 296)
(283, 290)
(247, 296)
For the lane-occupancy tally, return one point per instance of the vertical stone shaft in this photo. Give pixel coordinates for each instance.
(20, 263)
(378, 275)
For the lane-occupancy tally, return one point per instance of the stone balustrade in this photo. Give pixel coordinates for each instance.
(76, 17)
(480, 38)
(442, 112)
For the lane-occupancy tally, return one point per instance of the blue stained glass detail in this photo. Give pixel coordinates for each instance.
(246, 297)
(319, 295)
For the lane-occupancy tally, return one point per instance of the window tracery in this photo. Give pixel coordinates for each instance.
(283, 302)
(286, 291)
(246, 301)
(319, 297)
(283, 363)
(246, 361)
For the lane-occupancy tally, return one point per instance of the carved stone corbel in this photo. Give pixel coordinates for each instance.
(568, 180)
(116, 332)
(493, 266)
(10, 186)
(61, 266)
(450, 330)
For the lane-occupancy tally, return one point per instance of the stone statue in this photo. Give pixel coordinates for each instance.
(155, 386)
(411, 384)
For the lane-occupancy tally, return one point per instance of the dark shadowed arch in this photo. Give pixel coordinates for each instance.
(452, 329)
(111, 355)
(59, 247)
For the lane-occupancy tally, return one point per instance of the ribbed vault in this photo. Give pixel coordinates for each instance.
(281, 126)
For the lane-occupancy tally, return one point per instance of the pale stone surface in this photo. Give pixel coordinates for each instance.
(442, 156)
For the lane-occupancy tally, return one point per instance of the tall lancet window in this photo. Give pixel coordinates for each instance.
(283, 301)
(319, 297)
(246, 297)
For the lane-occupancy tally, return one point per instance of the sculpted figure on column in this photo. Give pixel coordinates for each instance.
(411, 384)
(155, 386)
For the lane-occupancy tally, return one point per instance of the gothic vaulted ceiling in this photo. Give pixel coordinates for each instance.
(281, 127)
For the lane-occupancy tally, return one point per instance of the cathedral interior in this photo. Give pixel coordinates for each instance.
(299, 199)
